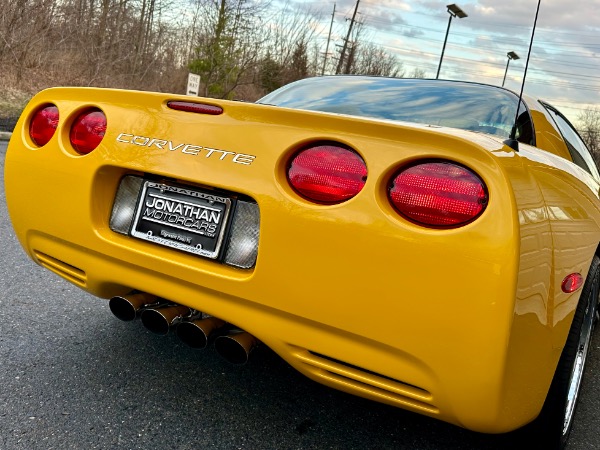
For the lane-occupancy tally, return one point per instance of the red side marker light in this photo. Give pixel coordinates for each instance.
(43, 125)
(572, 282)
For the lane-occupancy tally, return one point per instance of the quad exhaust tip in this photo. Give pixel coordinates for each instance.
(196, 333)
(127, 307)
(236, 347)
(161, 318)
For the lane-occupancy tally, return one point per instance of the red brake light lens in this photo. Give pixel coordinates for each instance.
(88, 130)
(327, 173)
(438, 194)
(43, 125)
(199, 108)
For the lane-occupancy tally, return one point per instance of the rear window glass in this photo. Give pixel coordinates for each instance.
(453, 104)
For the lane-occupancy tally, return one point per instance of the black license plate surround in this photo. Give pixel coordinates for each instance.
(182, 217)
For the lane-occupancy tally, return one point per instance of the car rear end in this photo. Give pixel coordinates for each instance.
(298, 227)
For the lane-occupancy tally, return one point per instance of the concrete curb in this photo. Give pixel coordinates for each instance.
(5, 135)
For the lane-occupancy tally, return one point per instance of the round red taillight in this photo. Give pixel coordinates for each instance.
(43, 125)
(438, 194)
(327, 173)
(87, 131)
(572, 282)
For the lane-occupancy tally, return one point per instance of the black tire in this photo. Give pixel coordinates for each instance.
(552, 428)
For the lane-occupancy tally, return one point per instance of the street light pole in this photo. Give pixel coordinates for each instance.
(454, 11)
(511, 55)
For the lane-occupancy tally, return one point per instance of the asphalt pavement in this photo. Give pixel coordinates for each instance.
(74, 377)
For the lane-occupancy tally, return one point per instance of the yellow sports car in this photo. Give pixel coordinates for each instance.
(428, 244)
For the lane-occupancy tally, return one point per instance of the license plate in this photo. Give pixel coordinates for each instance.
(179, 217)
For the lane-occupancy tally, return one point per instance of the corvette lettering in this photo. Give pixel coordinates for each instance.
(188, 149)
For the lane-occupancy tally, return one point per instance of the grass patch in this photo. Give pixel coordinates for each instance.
(12, 102)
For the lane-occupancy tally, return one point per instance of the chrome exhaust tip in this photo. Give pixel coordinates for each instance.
(195, 333)
(127, 307)
(161, 318)
(236, 347)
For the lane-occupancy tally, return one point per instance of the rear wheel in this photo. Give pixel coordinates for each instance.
(552, 428)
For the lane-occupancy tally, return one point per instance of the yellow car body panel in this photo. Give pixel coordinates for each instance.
(465, 325)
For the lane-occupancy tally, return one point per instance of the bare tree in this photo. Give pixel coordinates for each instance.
(290, 50)
(417, 73)
(589, 128)
(227, 49)
(120, 43)
(363, 57)
(371, 59)
(23, 27)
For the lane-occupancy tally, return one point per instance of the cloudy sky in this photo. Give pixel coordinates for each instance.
(565, 60)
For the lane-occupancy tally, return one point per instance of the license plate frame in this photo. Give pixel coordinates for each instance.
(185, 218)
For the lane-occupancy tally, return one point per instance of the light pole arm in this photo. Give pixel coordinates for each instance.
(506, 71)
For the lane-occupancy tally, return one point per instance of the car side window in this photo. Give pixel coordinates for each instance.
(579, 151)
(524, 126)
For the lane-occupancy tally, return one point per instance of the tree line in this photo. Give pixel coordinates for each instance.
(240, 48)
(588, 125)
